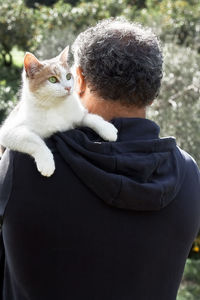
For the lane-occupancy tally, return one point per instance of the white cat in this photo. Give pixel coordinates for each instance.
(48, 105)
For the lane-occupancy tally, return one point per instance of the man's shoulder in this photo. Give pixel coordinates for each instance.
(192, 172)
(189, 159)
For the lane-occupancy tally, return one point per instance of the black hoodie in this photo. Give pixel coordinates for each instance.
(116, 221)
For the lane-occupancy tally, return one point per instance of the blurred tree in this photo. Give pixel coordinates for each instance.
(174, 20)
(17, 28)
(190, 287)
(32, 3)
(74, 2)
(177, 109)
(9, 86)
(138, 3)
(61, 25)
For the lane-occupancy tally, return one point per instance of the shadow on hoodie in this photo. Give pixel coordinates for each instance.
(138, 172)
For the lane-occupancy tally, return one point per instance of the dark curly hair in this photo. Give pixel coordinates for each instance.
(121, 61)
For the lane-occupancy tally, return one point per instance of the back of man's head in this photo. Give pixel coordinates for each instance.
(121, 61)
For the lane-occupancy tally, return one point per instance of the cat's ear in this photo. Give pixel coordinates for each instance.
(63, 56)
(31, 64)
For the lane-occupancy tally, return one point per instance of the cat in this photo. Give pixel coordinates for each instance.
(48, 104)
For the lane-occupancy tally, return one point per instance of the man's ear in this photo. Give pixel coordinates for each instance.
(80, 82)
(31, 64)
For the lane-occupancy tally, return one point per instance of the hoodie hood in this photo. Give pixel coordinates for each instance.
(140, 171)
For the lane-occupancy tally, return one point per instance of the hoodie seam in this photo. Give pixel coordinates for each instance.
(179, 184)
(118, 193)
(120, 185)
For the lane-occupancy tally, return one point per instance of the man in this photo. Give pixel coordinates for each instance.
(117, 220)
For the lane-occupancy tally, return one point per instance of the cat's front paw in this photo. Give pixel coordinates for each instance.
(45, 163)
(109, 132)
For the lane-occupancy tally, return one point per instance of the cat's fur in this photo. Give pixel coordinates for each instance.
(46, 108)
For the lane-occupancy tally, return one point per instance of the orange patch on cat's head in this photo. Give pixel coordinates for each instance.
(31, 64)
(38, 72)
(40, 78)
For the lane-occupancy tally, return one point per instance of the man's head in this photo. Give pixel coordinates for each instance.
(120, 61)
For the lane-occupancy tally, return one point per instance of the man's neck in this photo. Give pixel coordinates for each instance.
(112, 109)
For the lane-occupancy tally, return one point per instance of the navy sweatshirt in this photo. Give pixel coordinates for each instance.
(116, 221)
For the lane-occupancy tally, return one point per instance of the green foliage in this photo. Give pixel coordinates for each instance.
(190, 286)
(195, 250)
(177, 21)
(32, 3)
(9, 87)
(62, 27)
(177, 109)
(86, 13)
(192, 271)
(17, 28)
(72, 2)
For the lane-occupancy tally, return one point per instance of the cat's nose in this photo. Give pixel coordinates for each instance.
(68, 88)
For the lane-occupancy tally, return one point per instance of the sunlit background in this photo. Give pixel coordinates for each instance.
(45, 27)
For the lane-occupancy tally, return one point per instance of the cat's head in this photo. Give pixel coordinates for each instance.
(49, 80)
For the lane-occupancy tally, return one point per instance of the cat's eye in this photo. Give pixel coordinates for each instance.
(53, 79)
(69, 76)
